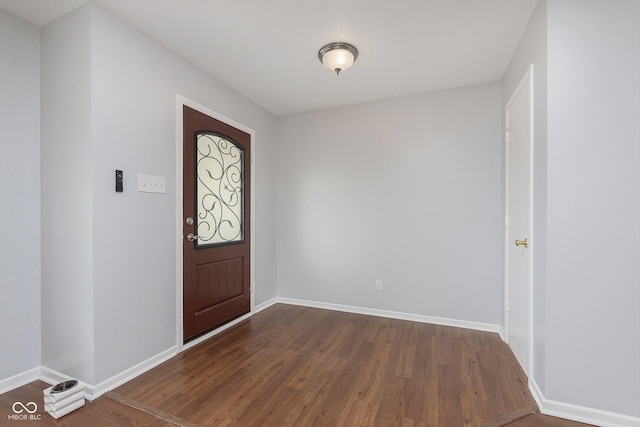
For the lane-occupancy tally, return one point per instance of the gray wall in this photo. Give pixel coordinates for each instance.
(405, 190)
(593, 244)
(120, 113)
(67, 199)
(19, 196)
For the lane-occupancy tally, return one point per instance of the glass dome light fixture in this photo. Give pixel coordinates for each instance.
(338, 56)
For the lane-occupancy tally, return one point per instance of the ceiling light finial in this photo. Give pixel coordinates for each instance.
(338, 56)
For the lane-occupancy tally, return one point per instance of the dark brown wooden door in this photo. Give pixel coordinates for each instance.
(216, 244)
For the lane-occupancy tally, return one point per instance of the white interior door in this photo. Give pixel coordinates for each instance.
(518, 287)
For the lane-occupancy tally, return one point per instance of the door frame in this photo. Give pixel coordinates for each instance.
(526, 83)
(180, 102)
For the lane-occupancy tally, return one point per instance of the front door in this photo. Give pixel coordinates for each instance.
(216, 243)
(518, 296)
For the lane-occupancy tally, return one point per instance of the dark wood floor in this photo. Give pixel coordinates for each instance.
(297, 366)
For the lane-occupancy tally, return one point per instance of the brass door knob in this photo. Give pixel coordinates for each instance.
(522, 243)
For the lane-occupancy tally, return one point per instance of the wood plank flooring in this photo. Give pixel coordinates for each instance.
(299, 366)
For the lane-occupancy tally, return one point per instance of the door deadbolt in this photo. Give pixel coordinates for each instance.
(189, 221)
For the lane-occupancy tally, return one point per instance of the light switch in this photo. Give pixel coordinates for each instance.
(151, 184)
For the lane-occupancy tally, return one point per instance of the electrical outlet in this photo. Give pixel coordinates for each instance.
(378, 285)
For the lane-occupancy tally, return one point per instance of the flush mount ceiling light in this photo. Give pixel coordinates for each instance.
(338, 56)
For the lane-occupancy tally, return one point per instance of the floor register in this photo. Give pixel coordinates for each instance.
(63, 398)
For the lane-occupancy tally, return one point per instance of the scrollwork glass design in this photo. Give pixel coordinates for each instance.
(219, 190)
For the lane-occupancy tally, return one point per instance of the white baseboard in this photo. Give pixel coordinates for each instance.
(258, 308)
(502, 333)
(536, 393)
(95, 391)
(92, 392)
(486, 327)
(580, 413)
(19, 380)
(117, 380)
(53, 377)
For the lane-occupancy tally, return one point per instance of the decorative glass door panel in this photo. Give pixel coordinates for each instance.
(219, 190)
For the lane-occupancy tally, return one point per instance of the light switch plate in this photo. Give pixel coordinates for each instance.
(151, 184)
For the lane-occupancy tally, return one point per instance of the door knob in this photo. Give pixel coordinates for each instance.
(192, 237)
(522, 243)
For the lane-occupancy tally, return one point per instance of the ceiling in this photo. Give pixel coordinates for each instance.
(267, 50)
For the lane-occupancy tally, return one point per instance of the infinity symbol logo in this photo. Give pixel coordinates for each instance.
(22, 407)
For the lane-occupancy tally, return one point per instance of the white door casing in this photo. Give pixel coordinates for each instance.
(518, 221)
